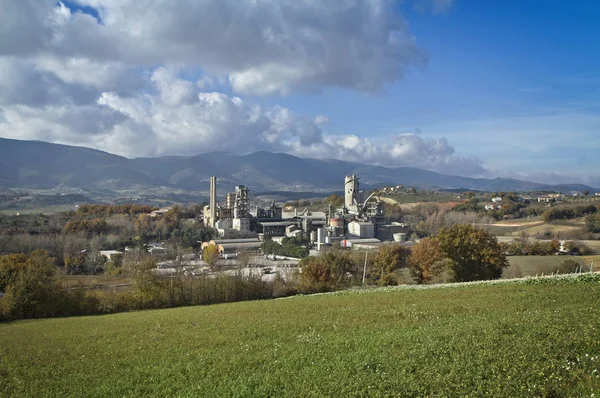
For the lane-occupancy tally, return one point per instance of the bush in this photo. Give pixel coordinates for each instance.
(569, 267)
(328, 272)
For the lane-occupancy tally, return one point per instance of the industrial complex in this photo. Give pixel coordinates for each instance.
(359, 223)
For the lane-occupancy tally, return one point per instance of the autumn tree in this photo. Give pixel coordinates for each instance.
(426, 260)
(335, 200)
(210, 255)
(10, 267)
(474, 253)
(32, 290)
(143, 225)
(329, 271)
(388, 259)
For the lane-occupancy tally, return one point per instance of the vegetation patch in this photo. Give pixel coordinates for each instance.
(505, 339)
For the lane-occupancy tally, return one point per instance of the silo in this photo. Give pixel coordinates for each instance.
(336, 222)
(213, 201)
(351, 192)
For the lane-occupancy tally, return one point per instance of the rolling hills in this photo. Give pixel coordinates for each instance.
(42, 165)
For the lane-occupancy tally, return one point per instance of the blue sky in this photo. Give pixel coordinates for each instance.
(510, 88)
(499, 75)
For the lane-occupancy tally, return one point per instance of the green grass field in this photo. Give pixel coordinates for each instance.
(504, 340)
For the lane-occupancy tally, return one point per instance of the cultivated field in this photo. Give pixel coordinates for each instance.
(504, 340)
(521, 266)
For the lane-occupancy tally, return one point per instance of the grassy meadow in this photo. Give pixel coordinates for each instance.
(534, 338)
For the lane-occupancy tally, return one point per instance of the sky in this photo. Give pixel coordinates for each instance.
(464, 87)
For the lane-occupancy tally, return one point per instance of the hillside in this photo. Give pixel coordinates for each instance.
(41, 165)
(510, 339)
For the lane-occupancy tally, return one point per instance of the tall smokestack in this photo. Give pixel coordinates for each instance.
(213, 201)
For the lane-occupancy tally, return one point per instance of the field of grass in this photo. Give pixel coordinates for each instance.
(521, 266)
(592, 259)
(504, 340)
(542, 228)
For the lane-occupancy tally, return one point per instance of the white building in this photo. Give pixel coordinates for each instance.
(360, 229)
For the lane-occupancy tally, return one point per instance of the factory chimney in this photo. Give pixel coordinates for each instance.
(213, 201)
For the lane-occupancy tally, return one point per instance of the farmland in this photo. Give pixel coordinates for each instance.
(521, 266)
(537, 338)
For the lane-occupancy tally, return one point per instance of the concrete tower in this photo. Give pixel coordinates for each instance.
(213, 201)
(351, 193)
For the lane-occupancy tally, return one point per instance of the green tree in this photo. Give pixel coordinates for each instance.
(426, 260)
(474, 253)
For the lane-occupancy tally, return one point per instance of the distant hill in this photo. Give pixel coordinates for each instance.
(42, 165)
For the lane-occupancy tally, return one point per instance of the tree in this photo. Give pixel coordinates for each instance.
(389, 258)
(474, 253)
(335, 200)
(426, 260)
(210, 255)
(10, 267)
(592, 223)
(33, 291)
(143, 225)
(330, 271)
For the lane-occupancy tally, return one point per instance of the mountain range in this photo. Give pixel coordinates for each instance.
(43, 165)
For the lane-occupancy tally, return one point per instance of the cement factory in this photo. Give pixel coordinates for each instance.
(359, 223)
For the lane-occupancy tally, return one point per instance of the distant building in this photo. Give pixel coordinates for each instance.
(361, 229)
(109, 253)
(160, 212)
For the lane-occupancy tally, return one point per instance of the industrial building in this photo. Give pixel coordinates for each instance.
(361, 219)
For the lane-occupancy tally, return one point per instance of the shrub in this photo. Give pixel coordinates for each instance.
(330, 271)
(569, 267)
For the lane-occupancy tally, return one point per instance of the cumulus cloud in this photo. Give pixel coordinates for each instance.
(401, 150)
(116, 82)
(262, 47)
(175, 118)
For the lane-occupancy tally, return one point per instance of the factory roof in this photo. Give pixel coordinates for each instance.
(244, 245)
(225, 241)
(363, 222)
(275, 223)
(363, 241)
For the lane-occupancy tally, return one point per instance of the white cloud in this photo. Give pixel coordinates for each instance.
(321, 119)
(117, 85)
(401, 150)
(174, 118)
(262, 46)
